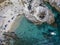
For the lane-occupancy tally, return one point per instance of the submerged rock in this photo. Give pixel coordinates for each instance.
(11, 35)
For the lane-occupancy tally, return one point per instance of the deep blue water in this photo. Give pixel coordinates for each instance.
(30, 34)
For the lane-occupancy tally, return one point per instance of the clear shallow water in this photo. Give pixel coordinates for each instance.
(30, 34)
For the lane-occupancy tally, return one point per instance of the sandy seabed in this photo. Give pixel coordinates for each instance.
(16, 23)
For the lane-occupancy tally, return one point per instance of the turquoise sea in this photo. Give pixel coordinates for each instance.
(30, 34)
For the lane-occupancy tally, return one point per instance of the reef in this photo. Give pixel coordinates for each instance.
(40, 24)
